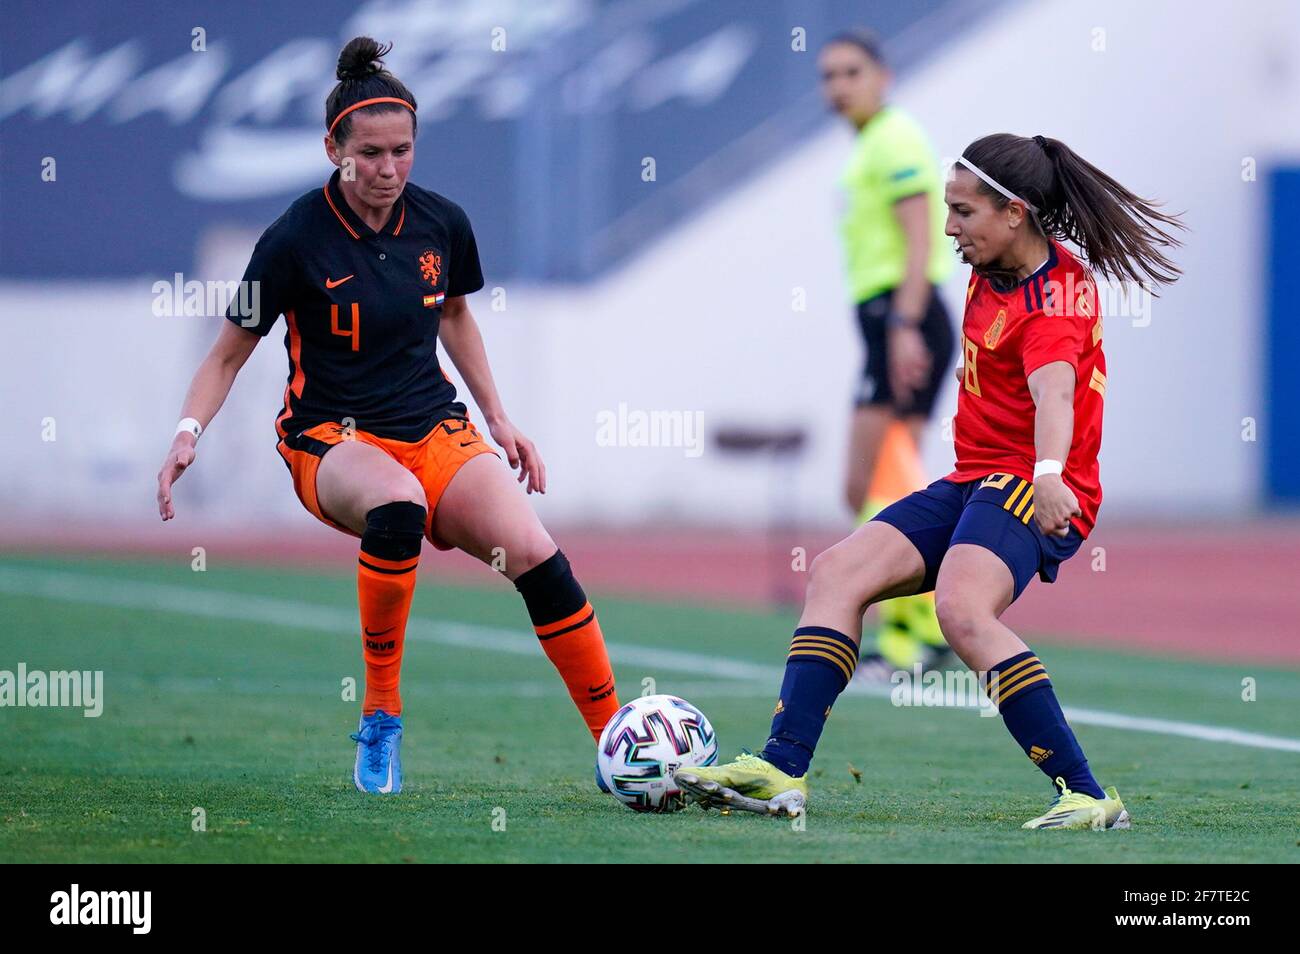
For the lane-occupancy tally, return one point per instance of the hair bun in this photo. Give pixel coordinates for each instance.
(362, 57)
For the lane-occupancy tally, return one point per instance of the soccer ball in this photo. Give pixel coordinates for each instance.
(644, 743)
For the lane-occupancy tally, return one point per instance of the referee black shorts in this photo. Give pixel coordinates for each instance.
(936, 331)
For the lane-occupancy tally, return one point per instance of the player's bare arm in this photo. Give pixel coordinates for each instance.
(1052, 388)
(460, 335)
(212, 382)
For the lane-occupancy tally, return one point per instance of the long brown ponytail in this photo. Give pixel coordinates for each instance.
(1119, 233)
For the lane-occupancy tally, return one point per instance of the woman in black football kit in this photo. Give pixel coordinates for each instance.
(370, 272)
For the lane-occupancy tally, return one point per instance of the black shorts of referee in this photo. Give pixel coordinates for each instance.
(936, 331)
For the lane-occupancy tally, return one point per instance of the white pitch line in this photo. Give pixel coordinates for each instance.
(216, 604)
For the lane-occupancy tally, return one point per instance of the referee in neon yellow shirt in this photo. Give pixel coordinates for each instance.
(897, 253)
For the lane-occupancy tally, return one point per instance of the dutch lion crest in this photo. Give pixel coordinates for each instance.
(431, 266)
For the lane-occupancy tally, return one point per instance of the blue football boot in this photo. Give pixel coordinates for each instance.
(379, 754)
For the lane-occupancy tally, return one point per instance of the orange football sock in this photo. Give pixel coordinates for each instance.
(576, 647)
(385, 585)
(570, 635)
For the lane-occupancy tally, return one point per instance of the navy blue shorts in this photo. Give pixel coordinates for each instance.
(995, 513)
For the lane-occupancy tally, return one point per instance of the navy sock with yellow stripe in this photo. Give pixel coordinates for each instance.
(1024, 696)
(820, 665)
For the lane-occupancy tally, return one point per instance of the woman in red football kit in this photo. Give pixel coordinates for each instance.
(1025, 489)
(370, 272)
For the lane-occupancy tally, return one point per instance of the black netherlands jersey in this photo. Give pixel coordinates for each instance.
(362, 309)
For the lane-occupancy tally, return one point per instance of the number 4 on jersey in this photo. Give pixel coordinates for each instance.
(353, 332)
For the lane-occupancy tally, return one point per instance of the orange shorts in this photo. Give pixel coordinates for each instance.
(433, 460)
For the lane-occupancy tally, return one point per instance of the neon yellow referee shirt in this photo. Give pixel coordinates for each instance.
(891, 160)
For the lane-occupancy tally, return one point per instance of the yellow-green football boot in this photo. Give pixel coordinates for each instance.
(1077, 810)
(750, 784)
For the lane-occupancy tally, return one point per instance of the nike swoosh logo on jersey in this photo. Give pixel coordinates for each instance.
(335, 284)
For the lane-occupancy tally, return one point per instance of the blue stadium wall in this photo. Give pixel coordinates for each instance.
(1282, 375)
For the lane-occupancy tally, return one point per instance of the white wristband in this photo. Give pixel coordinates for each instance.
(1047, 467)
(190, 426)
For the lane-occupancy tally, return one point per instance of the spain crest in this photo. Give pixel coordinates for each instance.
(995, 330)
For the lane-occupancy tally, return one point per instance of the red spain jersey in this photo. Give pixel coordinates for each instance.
(1053, 315)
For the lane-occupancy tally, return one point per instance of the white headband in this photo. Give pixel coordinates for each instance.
(995, 184)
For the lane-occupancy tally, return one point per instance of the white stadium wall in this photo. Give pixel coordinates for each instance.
(703, 321)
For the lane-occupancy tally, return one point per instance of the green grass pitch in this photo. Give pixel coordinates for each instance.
(232, 711)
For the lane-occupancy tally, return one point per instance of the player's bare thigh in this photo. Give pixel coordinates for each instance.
(484, 512)
(355, 477)
(876, 562)
(973, 590)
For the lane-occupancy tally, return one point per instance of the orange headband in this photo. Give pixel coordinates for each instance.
(369, 102)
